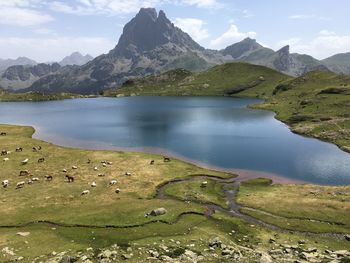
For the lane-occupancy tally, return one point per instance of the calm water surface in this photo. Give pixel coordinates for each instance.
(221, 132)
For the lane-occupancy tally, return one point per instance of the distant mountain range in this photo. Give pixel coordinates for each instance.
(6, 63)
(22, 72)
(152, 44)
(75, 59)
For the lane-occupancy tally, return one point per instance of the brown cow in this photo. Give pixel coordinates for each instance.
(70, 178)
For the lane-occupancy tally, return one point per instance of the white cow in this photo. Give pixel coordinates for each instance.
(20, 184)
(35, 179)
(25, 161)
(85, 192)
(93, 184)
(5, 183)
(113, 182)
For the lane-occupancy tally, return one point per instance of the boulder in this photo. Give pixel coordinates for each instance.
(158, 212)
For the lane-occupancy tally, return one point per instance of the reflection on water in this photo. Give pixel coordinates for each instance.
(218, 131)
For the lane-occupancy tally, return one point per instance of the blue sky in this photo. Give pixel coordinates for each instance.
(47, 30)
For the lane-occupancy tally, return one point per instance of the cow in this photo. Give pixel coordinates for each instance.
(152, 162)
(95, 168)
(20, 185)
(85, 192)
(128, 174)
(24, 173)
(117, 191)
(113, 182)
(101, 175)
(19, 149)
(5, 183)
(3, 134)
(25, 161)
(4, 152)
(166, 159)
(48, 177)
(41, 160)
(74, 167)
(36, 149)
(6, 159)
(70, 178)
(35, 179)
(93, 184)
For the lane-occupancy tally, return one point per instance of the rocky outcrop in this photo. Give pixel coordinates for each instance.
(22, 76)
(75, 59)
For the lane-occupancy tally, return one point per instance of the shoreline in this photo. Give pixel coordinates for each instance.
(242, 174)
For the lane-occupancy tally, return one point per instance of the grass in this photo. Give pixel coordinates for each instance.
(61, 202)
(217, 81)
(316, 104)
(192, 191)
(302, 207)
(34, 96)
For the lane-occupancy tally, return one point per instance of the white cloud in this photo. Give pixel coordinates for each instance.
(116, 7)
(203, 3)
(309, 16)
(194, 27)
(102, 7)
(230, 37)
(325, 44)
(52, 48)
(23, 17)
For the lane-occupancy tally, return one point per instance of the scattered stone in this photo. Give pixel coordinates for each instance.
(23, 234)
(265, 258)
(215, 243)
(347, 237)
(127, 256)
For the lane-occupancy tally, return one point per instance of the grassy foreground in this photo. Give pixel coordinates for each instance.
(103, 217)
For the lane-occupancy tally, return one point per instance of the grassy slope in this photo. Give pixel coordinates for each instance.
(214, 82)
(61, 202)
(316, 104)
(35, 96)
(316, 208)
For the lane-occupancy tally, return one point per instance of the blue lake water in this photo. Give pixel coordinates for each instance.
(217, 131)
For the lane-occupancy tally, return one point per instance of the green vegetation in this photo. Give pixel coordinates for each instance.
(316, 104)
(302, 207)
(35, 96)
(217, 81)
(194, 191)
(103, 218)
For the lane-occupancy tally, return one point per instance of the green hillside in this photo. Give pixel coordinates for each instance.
(316, 104)
(34, 96)
(227, 79)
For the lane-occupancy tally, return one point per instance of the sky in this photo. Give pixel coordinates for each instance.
(48, 30)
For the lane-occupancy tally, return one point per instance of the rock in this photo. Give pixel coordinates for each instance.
(158, 212)
(105, 254)
(265, 258)
(8, 251)
(347, 237)
(216, 242)
(19, 258)
(308, 256)
(153, 253)
(342, 253)
(226, 252)
(23, 234)
(127, 256)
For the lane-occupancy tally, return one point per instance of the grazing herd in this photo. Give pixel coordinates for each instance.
(48, 178)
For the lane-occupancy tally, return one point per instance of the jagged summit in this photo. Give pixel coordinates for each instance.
(149, 30)
(243, 48)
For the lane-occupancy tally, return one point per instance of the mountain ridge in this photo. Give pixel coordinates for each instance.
(151, 44)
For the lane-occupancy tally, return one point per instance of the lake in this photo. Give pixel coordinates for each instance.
(217, 131)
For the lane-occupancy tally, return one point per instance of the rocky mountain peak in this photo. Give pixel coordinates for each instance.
(284, 50)
(149, 30)
(242, 48)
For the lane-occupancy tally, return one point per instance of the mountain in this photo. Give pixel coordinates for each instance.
(339, 63)
(282, 60)
(75, 59)
(23, 76)
(5, 63)
(150, 44)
